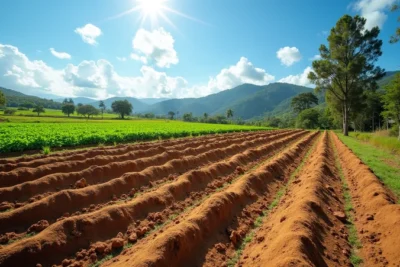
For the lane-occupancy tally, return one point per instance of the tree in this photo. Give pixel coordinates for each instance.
(308, 119)
(122, 107)
(171, 115)
(347, 68)
(188, 117)
(2, 99)
(391, 100)
(229, 113)
(68, 101)
(102, 107)
(205, 115)
(38, 109)
(87, 111)
(303, 101)
(396, 37)
(68, 109)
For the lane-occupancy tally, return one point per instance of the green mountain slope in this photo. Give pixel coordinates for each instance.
(209, 104)
(264, 100)
(14, 99)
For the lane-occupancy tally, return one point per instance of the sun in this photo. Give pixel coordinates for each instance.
(151, 8)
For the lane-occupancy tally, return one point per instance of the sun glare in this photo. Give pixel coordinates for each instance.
(151, 7)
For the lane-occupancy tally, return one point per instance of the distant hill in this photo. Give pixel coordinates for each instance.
(15, 98)
(209, 104)
(77, 100)
(387, 78)
(138, 106)
(151, 101)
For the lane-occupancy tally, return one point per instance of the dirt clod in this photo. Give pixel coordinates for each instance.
(38, 227)
(340, 215)
(81, 183)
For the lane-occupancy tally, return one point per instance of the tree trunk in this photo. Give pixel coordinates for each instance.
(345, 121)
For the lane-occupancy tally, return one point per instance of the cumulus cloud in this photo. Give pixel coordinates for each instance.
(60, 55)
(315, 57)
(373, 11)
(288, 55)
(299, 79)
(155, 46)
(89, 33)
(99, 79)
(136, 57)
(243, 72)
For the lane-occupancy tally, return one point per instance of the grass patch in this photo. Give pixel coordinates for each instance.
(259, 220)
(391, 144)
(20, 238)
(355, 243)
(377, 159)
(46, 150)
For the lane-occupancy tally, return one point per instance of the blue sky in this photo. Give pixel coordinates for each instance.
(82, 48)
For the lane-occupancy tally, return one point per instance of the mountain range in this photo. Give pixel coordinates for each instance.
(247, 100)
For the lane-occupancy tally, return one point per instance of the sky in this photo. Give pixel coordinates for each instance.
(171, 48)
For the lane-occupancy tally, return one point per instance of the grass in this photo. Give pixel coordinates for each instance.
(355, 243)
(46, 150)
(391, 144)
(20, 238)
(259, 220)
(378, 160)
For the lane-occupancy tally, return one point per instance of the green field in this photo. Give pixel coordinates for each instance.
(33, 136)
(53, 113)
(385, 165)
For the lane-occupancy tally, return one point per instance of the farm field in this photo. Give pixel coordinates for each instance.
(54, 113)
(262, 198)
(34, 136)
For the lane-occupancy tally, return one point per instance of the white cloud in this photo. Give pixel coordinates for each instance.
(99, 79)
(300, 79)
(315, 57)
(60, 55)
(89, 33)
(373, 11)
(288, 55)
(156, 46)
(121, 59)
(139, 58)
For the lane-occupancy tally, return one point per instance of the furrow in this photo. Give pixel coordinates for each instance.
(180, 243)
(35, 161)
(377, 216)
(307, 228)
(26, 174)
(71, 201)
(67, 236)
(100, 174)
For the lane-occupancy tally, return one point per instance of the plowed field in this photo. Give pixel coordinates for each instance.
(276, 198)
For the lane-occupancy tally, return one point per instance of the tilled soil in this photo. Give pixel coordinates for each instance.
(246, 199)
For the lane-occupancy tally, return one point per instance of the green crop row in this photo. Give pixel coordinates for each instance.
(33, 136)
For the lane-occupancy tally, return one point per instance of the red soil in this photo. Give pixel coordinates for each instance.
(377, 217)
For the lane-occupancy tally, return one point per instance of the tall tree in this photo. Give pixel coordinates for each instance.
(391, 100)
(229, 113)
(102, 107)
(38, 109)
(396, 37)
(68, 109)
(205, 115)
(2, 99)
(346, 67)
(303, 101)
(122, 107)
(171, 115)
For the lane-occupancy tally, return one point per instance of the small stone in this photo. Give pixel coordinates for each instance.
(340, 215)
(81, 183)
(283, 219)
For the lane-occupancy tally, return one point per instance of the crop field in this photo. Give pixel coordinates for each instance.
(261, 198)
(35, 136)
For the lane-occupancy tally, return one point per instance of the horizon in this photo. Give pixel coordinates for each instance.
(169, 48)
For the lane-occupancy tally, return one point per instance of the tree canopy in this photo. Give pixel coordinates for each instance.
(308, 119)
(122, 107)
(391, 100)
(87, 111)
(303, 101)
(102, 107)
(38, 109)
(68, 109)
(2, 99)
(396, 36)
(346, 67)
(229, 113)
(171, 115)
